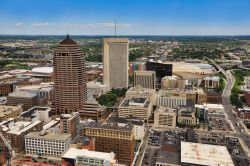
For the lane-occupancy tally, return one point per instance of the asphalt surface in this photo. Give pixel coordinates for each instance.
(229, 108)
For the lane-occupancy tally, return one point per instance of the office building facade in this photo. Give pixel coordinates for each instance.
(146, 79)
(69, 77)
(115, 62)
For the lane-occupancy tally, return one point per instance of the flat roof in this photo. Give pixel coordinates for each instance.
(22, 126)
(205, 154)
(5, 110)
(47, 70)
(72, 153)
(23, 94)
(96, 125)
(164, 157)
(49, 135)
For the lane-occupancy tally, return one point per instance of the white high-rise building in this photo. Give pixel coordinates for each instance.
(115, 62)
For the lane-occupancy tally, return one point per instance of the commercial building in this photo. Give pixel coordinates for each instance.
(214, 97)
(171, 98)
(204, 154)
(79, 157)
(198, 96)
(211, 82)
(247, 97)
(244, 113)
(43, 90)
(135, 107)
(112, 138)
(44, 73)
(44, 144)
(7, 112)
(161, 70)
(165, 158)
(15, 132)
(138, 125)
(173, 82)
(6, 88)
(115, 62)
(138, 91)
(165, 117)
(146, 79)
(133, 66)
(195, 68)
(70, 124)
(69, 77)
(93, 110)
(37, 113)
(186, 116)
(27, 99)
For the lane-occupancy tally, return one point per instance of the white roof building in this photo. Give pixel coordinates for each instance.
(204, 154)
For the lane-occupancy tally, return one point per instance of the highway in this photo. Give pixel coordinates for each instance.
(229, 108)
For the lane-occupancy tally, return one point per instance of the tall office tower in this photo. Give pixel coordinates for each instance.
(69, 77)
(115, 62)
(145, 78)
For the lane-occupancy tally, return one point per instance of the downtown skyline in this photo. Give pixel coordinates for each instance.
(172, 17)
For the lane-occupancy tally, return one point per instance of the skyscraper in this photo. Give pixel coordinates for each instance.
(69, 77)
(115, 62)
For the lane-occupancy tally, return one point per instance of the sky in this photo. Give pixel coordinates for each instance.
(133, 17)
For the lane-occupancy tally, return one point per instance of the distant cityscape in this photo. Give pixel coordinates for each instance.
(124, 83)
(137, 100)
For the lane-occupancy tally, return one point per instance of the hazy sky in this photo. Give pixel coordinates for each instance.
(134, 17)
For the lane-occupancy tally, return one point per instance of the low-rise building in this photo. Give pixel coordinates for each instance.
(214, 97)
(43, 90)
(113, 138)
(138, 125)
(139, 91)
(135, 107)
(165, 117)
(171, 98)
(37, 113)
(93, 110)
(186, 116)
(79, 157)
(173, 82)
(244, 113)
(15, 132)
(7, 112)
(211, 82)
(204, 154)
(47, 144)
(27, 99)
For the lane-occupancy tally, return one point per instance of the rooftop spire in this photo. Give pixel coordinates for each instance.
(68, 40)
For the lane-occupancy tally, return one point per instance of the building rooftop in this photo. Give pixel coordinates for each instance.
(67, 41)
(22, 94)
(204, 154)
(127, 128)
(49, 135)
(210, 106)
(135, 102)
(131, 120)
(42, 87)
(22, 126)
(214, 78)
(168, 158)
(5, 110)
(72, 153)
(31, 113)
(46, 70)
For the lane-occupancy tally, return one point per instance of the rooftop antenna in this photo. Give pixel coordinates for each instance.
(115, 27)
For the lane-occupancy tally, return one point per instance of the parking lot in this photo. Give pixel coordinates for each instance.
(154, 138)
(220, 124)
(150, 157)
